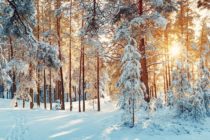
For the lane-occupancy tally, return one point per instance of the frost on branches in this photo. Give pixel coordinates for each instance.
(203, 85)
(17, 17)
(25, 83)
(23, 89)
(189, 101)
(17, 20)
(130, 84)
(155, 104)
(170, 98)
(4, 76)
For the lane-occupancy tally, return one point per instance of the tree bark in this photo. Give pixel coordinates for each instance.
(13, 72)
(187, 41)
(80, 74)
(31, 90)
(75, 93)
(50, 71)
(133, 113)
(38, 89)
(164, 86)
(23, 103)
(98, 81)
(154, 82)
(50, 90)
(144, 72)
(98, 62)
(166, 64)
(38, 71)
(70, 63)
(83, 77)
(45, 96)
(60, 57)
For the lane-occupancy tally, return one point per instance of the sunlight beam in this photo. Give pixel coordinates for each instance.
(175, 50)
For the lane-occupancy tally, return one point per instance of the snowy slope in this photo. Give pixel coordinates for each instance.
(39, 124)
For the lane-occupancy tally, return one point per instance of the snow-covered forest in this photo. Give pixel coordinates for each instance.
(104, 69)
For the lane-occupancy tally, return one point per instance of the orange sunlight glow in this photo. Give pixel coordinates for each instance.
(175, 49)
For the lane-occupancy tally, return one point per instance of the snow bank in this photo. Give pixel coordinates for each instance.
(39, 124)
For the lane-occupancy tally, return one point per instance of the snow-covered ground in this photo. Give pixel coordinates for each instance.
(39, 124)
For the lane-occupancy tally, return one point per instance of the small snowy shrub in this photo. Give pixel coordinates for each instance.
(198, 110)
(155, 104)
(57, 105)
(207, 102)
(192, 107)
(152, 105)
(170, 98)
(159, 103)
(4, 75)
(203, 85)
(189, 101)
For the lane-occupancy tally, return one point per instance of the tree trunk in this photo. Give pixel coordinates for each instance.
(59, 91)
(55, 94)
(151, 92)
(70, 45)
(164, 86)
(38, 90)
(133, 113)
(45, 96)
(144, 72)
(154, 82)
(80, 74)
(32, 99)
(166, 56)
(83, 77)
(166, 75)
(23, 103)
(60, 56)
(98, 62)
(13, 72)
(50, 90)
(98, 84)
(38, 71)
(31, 90)
(166, 34)
(50, 71)
(44, 86)
(75, 93)
(187, 41)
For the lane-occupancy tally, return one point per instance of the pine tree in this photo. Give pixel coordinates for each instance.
(182, 88)
(203, 84)
(130, 84)
(170, 98)
(4, 76)
(58, 26)
(16, 24)
(197, 108)
(189, 100)
(136, 14)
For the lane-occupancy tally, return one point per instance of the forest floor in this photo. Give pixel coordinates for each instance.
(40, 124)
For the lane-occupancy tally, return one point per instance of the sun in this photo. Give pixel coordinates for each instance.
(175, 49)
